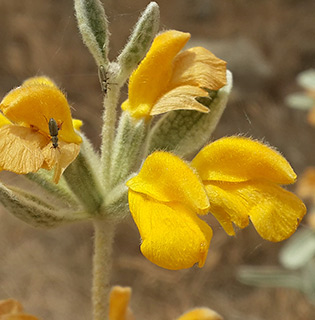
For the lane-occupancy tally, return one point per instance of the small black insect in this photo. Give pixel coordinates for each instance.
(102, 74)
(54, 127)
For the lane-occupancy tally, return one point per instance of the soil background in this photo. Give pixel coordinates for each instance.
(266, 44)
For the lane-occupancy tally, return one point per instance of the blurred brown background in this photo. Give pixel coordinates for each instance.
(266, 44)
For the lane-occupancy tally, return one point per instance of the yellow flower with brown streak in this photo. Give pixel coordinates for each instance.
(234, 178)
(25, 139)
(168, 80)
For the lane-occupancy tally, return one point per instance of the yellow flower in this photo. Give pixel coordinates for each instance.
(201, 314)
(233, 178)
(167, 80)
(25, 138)
(119, 308)
(11, 309)
(119, 304)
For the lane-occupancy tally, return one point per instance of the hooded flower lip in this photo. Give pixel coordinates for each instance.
(243, 179)
(25, 140)
(167, 80)
(164, 200)
(237, 159)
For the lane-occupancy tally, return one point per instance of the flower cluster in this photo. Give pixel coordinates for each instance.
(175, 100)
(234, 178)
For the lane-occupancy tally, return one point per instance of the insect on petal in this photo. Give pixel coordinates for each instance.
(33, 104)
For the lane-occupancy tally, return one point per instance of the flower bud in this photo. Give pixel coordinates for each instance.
(92, 23)
(139, 41)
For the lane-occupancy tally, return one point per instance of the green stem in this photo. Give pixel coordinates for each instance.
(108, 131)
(102, 261)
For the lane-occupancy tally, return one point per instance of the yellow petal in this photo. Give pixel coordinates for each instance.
(149, 81)
(11, 309)
(201, 314)
(237, 159)
(14, 94)
(60, 157)
(275, 212)
(165, 177)
(3, 120)
(199, 67)
(118, 303)
(18, 317)
(227, 205)
(10, 306)
(181, 98)
(224, 219)
(39, 80)
(34, 104)
(20, 149)
(173, 237)
(77, 124)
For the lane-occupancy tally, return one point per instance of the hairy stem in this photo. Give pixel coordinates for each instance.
(108, 131)
(102, 261)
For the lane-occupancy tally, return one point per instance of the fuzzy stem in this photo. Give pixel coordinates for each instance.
(102, 261)
(108, 131)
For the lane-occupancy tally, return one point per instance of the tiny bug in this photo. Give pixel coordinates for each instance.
(102, 74)
(54, 127)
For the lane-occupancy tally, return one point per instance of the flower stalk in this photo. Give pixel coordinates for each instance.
(102, 262)
(108, 132)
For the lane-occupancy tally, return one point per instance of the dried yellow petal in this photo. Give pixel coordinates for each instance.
(60, 157)
(199, 67)
(180, 98)
(20, 149)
